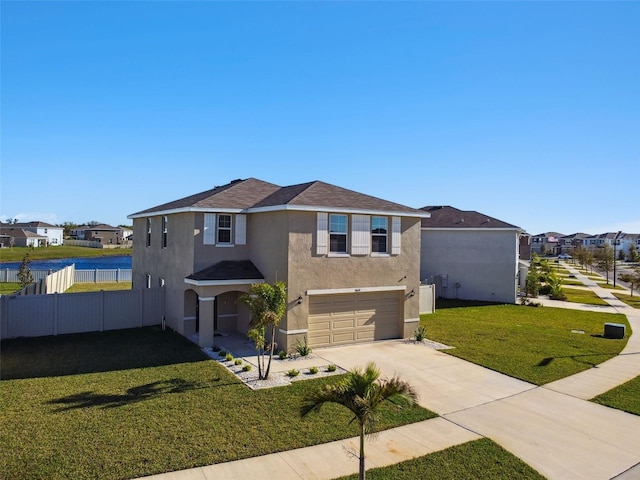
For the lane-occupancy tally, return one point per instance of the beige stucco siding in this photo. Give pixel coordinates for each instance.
(478, 264)
(172, 263)
(310, 271)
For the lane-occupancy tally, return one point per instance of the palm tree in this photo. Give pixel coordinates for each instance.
(362, 392)
(268, 304)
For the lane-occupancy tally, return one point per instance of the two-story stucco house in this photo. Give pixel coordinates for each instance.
(351, 261)
(470, 256)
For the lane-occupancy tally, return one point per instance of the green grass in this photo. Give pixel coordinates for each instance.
(597, 279)
(16, 254)
(7, 288)
(533, 344)
(96, 287)
(629, 300)
(610, 286)
(478, 460)
(583, 296)
(570, 281)
(130, 403)
(624, 397)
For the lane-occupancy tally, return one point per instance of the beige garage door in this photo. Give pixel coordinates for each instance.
(354, 317)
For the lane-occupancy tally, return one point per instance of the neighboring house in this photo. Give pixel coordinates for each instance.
(19, 237)
(469, 255)
(626, 240)
(546, 243)
(36, 234)
(568, 243)
(106, 234)
(78, 232)
(351, 261)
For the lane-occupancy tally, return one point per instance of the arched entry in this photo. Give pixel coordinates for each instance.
(191, 320)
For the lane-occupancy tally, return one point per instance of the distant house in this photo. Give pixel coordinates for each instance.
(626, 240)
(350, 261)
(568, 243)
(106, 234)
(546, 243)
(33, 234)
(469, 255)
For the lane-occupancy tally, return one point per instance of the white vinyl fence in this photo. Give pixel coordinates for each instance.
(81, 276)
(57, 314)
(427, 299)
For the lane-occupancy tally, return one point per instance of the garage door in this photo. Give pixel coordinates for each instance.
(351, 318)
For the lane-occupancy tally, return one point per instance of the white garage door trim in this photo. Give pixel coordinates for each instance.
(333, 291)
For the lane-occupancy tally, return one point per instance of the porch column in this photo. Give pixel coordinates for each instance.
(206, 313)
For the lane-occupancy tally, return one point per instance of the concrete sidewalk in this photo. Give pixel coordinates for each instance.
(553, 428)
(336, 459)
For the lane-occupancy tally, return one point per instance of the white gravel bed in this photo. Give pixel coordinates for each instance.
(276, 379)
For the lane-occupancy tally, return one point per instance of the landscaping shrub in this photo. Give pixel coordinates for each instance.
(331, 368)
(303, 348)
(313, 370)
(293, 373)
(421, 333)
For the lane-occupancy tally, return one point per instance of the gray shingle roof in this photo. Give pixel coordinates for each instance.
(450, 217)
(229, 270)
(257, 194)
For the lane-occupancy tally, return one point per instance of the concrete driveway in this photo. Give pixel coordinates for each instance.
(561, 436)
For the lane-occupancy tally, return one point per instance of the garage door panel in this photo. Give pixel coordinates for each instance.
(324, 325)
(348, 318)
(343, 323)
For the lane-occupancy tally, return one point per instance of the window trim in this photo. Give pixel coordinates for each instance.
(224, 229)
(380, 235)
(165, 221)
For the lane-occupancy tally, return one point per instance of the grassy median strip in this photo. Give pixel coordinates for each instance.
(478, 460)
(583, 296)
(624, 397)
(538, 345)
(130, 403)
(629, 300)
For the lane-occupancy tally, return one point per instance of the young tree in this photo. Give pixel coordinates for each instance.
(633, 255)
(362, 392)
(268, 304)
(633, 279)
(25, 277)
(604, 259)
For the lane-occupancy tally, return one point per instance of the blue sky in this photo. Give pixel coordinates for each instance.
(525, 111)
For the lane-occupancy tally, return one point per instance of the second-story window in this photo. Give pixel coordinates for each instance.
(165, 222)
(338, 225)
(379, 231)
(148, 232)
(224, 228)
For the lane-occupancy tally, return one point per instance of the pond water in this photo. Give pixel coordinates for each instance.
(112, 262)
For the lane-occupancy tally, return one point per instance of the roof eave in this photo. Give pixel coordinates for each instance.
(212, 283)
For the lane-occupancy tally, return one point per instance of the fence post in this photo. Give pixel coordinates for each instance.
(55, 314)
(102, 310)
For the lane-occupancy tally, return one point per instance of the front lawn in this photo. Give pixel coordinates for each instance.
(96, 287)
(583, 296)
(130, 403)
(537, 345)
(7, 288)
(624, 397)
(477, 460)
